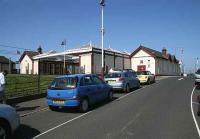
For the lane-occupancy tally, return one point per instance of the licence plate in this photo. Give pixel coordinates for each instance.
(111, 81)
(58, 102)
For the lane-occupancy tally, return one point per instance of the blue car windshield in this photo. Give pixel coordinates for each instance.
(64, 83)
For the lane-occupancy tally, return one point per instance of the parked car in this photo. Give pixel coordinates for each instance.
(146, 77)
(78, 90)
(197, 77)
(9, 121)
(122, 80)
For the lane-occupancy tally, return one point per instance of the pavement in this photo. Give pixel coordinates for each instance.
(161, 110)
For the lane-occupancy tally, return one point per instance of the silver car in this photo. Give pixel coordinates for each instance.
(9, 121)
(197, 77)
(122, 80)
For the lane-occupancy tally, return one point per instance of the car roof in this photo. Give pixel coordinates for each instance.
(75, 75)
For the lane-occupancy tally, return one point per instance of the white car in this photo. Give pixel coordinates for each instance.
(9, 121)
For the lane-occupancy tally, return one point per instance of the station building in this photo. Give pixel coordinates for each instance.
(87, 59)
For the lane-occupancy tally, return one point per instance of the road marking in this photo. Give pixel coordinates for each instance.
(130, 93)
(80, 116)
(180, 79)
(29, 113)
(62, 124)
(195, 121)
(130, 122)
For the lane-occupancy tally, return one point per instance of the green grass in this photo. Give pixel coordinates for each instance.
(23, 85)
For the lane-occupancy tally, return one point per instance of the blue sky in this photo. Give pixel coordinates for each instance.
(174, 24)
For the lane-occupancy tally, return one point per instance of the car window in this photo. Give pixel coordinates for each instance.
(97, 80)
(87, 80)
(126, 75)
(113, 75)
(132, 74)
(141, 73)
(64, 83)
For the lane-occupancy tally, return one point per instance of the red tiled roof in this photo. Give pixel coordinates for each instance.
(155, 54)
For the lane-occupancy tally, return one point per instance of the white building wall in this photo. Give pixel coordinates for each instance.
(35, 66)
(86, 62)
(26, 65)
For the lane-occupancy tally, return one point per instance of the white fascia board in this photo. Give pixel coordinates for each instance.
(68, 53)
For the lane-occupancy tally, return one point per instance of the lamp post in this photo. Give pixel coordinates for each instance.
(64, 45)
(102, 4)
(197, 64)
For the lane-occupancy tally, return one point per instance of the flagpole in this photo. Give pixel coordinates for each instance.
(64, 56)
(102, 3)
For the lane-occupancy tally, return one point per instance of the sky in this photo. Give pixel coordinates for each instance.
(173, 24)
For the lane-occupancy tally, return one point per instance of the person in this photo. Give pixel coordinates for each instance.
(2, 87)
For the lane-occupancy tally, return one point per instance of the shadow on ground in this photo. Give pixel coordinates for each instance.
(25, 132)
(26, 108)
(76, 110)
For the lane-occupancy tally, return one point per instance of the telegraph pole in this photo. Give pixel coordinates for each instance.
(102, 4)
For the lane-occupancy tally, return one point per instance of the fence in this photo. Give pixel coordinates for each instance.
(25, 85)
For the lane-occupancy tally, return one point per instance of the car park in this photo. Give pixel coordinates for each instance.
(122, 80)
(146, 77)
(78, 90)
(197, 77)
(9, 121)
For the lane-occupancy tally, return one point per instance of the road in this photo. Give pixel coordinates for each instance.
(158, 111)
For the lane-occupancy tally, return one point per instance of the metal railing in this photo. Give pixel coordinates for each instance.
(18, 85)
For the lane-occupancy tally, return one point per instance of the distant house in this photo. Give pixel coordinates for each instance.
(159, 63)
(26, 62)
(7, 64)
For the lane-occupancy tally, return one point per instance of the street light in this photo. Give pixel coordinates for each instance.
(102, 4)
(64, 44)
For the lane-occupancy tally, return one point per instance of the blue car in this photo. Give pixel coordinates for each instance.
(78, 90)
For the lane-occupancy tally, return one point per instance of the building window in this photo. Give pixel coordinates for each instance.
(148, 63)
(141, 61)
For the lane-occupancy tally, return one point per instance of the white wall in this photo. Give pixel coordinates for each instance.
(147, 59)
(35, 66)
(86, 62)
(26, 65)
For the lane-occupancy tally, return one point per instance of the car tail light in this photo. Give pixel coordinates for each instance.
(121, 79)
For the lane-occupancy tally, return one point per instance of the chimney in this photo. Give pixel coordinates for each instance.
(39, 49)
(164, 51)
